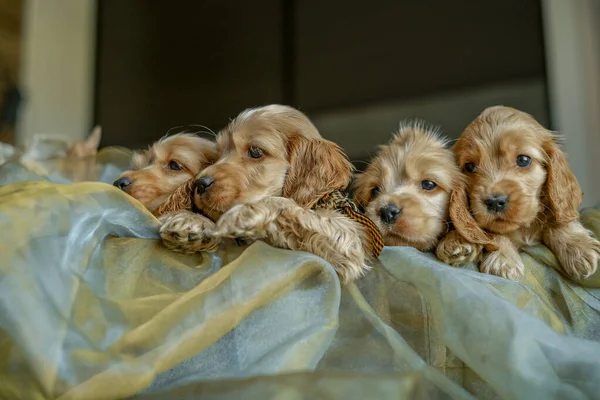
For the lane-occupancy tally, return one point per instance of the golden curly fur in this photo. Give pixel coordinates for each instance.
(273, 166)
(406, 188)
(164, 167)
(519, 191)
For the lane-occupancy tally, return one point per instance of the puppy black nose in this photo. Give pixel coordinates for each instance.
(389, 214)
(122, 183)
(202, 184)
(496, 202)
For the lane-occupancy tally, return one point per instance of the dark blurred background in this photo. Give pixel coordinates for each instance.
(142, 67)
(343, 62)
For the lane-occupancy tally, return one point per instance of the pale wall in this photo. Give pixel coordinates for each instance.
(57, 72)
(572, 29)
(358, 129)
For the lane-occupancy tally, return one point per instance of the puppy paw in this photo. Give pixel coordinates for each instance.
(579, 256)
(464, 253)
(455, 251)
(245, 221)
(187, 232)
(575, 249)
(505, 263)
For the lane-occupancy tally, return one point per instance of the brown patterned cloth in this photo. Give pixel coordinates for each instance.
(336, 200)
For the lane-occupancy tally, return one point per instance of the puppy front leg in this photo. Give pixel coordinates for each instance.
(251, 221)
(282, 223)
(454, 250)
(576, 250)
(505, 262)
(187, 232)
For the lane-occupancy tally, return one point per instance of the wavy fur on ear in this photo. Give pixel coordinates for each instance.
(181, 199)
(463, 220)
(317, 167)
(562, 189)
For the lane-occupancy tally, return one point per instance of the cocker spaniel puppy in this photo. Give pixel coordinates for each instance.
(278, 180)
(519, 191)
(406, 188)
(165, 167)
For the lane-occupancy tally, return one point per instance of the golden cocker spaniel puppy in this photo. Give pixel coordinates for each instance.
(519, 191)
(406, 188)
(278, 180)
(163, 168)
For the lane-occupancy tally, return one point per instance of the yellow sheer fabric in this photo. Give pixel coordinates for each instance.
(93, 307)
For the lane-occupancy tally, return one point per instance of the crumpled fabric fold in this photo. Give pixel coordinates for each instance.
(92, 306)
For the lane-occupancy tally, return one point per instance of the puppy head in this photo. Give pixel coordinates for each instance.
(514, 170)
(270, 151)
(165, 166)
(406, 188)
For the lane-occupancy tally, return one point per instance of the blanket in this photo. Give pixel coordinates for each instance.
(94, 307)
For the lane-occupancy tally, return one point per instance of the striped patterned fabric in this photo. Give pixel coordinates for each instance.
(336, 200)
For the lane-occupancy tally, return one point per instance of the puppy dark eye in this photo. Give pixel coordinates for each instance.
(523, 161)
(255, 152)
(428, 185)
(175, 166)
(470, 167)
(375, 192)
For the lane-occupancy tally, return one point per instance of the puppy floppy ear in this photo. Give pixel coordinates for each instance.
(360, 189)
(463, 221)
(563, 190)
(317, 167)
(181, 199)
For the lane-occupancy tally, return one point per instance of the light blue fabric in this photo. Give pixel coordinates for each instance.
(92, 306)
